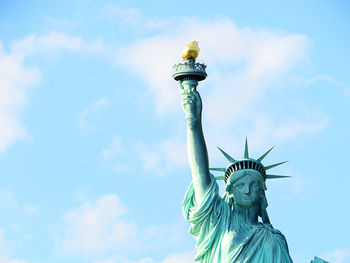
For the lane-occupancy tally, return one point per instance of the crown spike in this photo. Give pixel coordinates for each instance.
(228, 157)
(246, 152)
(218, 169)
(264, 155)
(274, 165)
(275, 176)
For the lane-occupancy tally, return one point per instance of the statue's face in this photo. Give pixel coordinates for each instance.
(247, 190)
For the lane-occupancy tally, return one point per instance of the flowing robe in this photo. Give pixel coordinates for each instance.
(219, 240)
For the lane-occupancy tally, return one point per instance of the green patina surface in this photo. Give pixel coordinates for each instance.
(236, 226)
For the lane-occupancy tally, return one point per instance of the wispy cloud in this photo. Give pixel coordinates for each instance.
(112, 155)
(12, 235)
(330, 80)
(132, 17)
(113, 149)
(245, 68)
(7, 259)
(91, 110)
(3, 243)
(97, 227)
(55, 43)
(294, 127)
(15, 78)
(8, 201)
(163, 156)
(51, 42)
(105, 261)
(340, 255)
(4, 250)
(297, 187)
(126, 15)
(158, 158)
(239, 59)
(184, 257)
(102, 226)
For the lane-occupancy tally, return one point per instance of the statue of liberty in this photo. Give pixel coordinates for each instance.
(227, 229)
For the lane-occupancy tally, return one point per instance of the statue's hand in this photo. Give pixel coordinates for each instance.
(191, 103)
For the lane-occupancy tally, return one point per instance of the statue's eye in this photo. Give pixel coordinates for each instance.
(240, 185)
(254, 184)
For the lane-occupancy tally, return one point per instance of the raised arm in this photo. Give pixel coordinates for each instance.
(196, 147)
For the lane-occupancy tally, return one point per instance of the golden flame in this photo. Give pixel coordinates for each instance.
(190, 51)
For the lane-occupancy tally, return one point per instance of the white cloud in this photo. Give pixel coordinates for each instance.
(158, 158)
(6, 197)
(260, 55)
(297, 187)
(97, 227)
(340, 255)
(291, 128)
(14, 80)
(112, 155)
(3, 243)
(13, 211)
(245, 66)
(92, 109)
(132, 17)
(127, 16)
(7, 259)
(163, 156)
(165, 236)
(102, 227)
(59, 41)
(52, 42)
(55, 42)
(113, 149)
(184, 257)
(7, 200)
(30, 209)
(4, 249)
(330, 80)
(245, 69)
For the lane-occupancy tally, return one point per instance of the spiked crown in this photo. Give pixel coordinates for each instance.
(247, 163)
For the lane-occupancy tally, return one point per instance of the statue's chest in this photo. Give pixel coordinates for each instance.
(233, 237)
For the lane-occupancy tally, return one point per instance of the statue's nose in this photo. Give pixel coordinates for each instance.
(246, 189)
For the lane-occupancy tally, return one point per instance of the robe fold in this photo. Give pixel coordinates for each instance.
(218, 238)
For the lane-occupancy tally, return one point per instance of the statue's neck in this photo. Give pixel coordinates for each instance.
(247, 215)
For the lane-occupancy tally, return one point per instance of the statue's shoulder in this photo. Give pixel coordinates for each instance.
(268, 228)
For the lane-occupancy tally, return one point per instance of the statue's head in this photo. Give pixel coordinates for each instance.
(246, 188)
(245, 181)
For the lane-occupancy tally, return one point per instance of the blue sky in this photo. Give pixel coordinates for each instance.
(93, 161)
